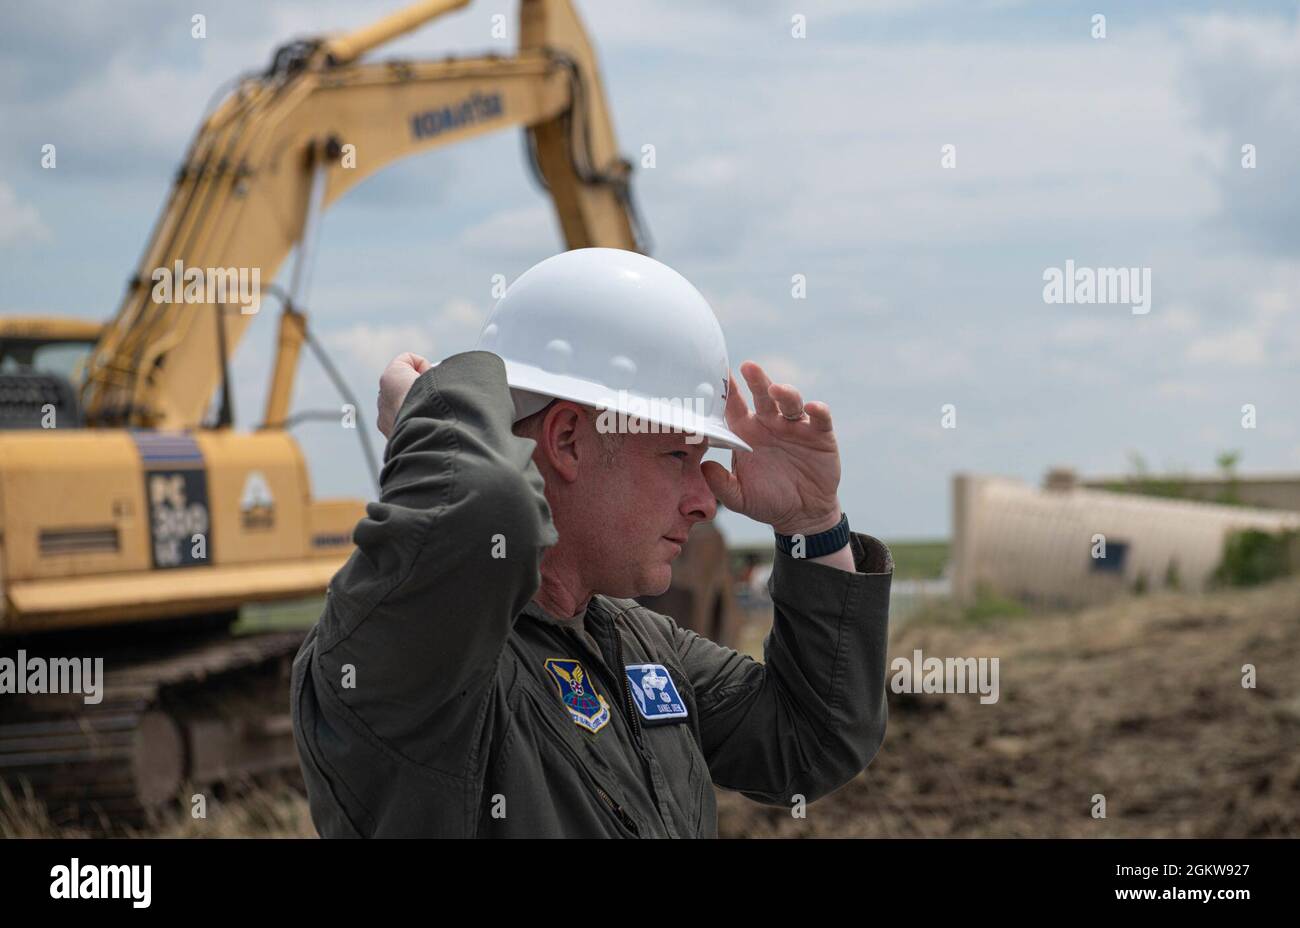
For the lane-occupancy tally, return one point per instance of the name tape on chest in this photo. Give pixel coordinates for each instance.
(655, 693)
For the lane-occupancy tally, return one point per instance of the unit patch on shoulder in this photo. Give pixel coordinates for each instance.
(656, 696)
(587, 708)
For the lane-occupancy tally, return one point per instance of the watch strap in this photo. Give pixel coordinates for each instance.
(823, 543)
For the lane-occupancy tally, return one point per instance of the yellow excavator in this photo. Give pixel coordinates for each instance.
(134, 520)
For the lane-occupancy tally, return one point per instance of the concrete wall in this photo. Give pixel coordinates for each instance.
(1036, 544)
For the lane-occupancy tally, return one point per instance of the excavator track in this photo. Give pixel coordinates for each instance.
(204, 712)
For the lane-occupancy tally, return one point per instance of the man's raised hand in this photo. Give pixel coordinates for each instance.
(791, 479)
(394, 384)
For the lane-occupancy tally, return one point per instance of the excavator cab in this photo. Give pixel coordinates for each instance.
(42, 366)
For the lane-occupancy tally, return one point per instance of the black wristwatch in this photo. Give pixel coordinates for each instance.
(827, 542)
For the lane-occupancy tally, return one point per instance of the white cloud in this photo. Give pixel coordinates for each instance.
(713, 170)
(783, 369)
(462, 314)
(1243, 76)
(370, 346)
(1183, 389)
(929, 360)
(1176, 319)
(1084, 330)
(19, 222)
(742, 309)
(1239, 347)
(512, 231)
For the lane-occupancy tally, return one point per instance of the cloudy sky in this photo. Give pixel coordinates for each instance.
(776, 156)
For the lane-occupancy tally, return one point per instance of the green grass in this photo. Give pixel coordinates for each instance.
(913, 560)
(919, 560)
(987, 608)
(279, 616)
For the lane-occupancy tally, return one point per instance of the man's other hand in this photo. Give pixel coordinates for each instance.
(394, 384)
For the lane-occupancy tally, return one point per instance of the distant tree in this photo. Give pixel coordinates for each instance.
(1227, 462)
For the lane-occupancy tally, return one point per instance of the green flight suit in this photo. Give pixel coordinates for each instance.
(434, 698)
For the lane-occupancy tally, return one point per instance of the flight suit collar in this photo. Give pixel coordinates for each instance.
(597, 615)
(593, 636)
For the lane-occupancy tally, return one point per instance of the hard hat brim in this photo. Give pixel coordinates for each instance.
(670, 416)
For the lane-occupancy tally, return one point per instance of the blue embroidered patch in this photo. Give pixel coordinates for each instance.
(587, 708)
(656, 696)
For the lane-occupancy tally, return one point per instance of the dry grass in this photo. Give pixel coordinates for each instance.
(24, 816)
(270, 809)
(278, 810)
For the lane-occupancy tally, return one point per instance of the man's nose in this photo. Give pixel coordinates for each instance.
(698, 503)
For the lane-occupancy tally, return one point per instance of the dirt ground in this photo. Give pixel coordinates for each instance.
(1141, 701)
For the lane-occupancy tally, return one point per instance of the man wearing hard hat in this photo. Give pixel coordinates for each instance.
(481, 667)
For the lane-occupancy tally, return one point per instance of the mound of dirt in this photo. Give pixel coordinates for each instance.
(1141, 701)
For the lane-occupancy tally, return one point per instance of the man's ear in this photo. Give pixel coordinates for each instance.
(558, 441)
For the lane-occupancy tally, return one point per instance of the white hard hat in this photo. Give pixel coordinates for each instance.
(615, 330)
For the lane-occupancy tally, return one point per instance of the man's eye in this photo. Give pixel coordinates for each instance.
(684, 455)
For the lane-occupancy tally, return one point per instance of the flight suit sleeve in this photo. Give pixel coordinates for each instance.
(416, 619)
(812, 715)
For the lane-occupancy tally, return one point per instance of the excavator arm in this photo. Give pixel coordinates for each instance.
(285, 145)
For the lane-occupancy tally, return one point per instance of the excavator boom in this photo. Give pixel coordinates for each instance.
(319, 119)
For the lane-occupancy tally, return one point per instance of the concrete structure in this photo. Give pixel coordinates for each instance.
(1267, 491)
(1038, 544)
